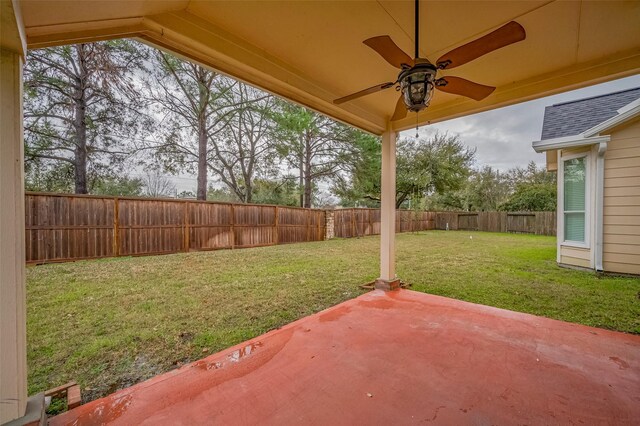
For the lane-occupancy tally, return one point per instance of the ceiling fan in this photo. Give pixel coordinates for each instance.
(417, 77)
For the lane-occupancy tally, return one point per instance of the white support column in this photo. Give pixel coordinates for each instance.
(388, 280)
(13, 360)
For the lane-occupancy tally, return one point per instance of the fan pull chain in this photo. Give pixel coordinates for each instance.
(416, 126)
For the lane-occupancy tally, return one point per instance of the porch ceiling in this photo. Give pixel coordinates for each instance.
(311, 52)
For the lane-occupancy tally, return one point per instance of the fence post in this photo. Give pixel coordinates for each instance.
(185, 228)
(277, 225)
(233, 229)
(353, 223)
(308, 212)
(116, 231)
(329, 224)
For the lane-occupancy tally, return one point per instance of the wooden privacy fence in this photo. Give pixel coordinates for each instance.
(62, 227)
(361, 222)
(539, 223)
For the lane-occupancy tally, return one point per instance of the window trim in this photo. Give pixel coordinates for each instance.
(587, 203)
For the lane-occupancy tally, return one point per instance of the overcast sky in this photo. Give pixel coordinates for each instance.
(503, 136)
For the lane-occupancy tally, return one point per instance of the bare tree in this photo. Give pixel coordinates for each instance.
(82, 107)
(157, 185)
(244, 148)
(196, 103)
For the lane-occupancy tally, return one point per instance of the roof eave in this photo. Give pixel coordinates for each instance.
(624, 114)
(593, 135)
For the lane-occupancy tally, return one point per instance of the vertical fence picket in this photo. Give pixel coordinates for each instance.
(233, 229)
(116, 231)
(277, 225)
(185, 229)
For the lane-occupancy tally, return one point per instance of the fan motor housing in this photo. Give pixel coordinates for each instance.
(417, 84)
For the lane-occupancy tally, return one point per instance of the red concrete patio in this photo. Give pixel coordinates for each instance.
(394, 358)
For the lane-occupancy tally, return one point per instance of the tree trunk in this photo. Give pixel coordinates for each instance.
(301, 175)
(80, 125)
(307, 189)
(203, 103)
(80, 151)
(202, 158)
(307, 175)
(248, 187)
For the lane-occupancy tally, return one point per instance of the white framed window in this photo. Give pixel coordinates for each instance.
(575, 200)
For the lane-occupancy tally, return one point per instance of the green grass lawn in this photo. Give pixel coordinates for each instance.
(111, 323)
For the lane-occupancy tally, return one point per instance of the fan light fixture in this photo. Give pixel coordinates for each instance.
(417, 84)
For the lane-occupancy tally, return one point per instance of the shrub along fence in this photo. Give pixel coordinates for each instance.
(63, 227)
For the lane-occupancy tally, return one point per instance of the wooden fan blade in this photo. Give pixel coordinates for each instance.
(503, 36)
(400, 111)
(372, 89)
(460, 86)
(389, 51)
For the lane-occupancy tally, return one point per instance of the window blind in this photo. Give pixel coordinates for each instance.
(574, 199)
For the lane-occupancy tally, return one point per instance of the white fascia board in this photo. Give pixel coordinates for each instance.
(625, 113)
(567, 142)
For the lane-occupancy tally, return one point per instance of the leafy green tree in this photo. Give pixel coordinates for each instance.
(519, 189)
(55, 177)
(425, 168)
(317, 146)
(532, 197)
(58, 176)
(451, 200)
(361, 182)
(533, 189)
(486, 190)
(82, 108)
(282, 192)
(530, 174)
(431, 166)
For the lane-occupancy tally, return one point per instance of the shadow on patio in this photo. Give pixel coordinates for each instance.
(401, 357)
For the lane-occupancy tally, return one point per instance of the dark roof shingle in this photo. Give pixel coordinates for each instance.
(574, 117)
